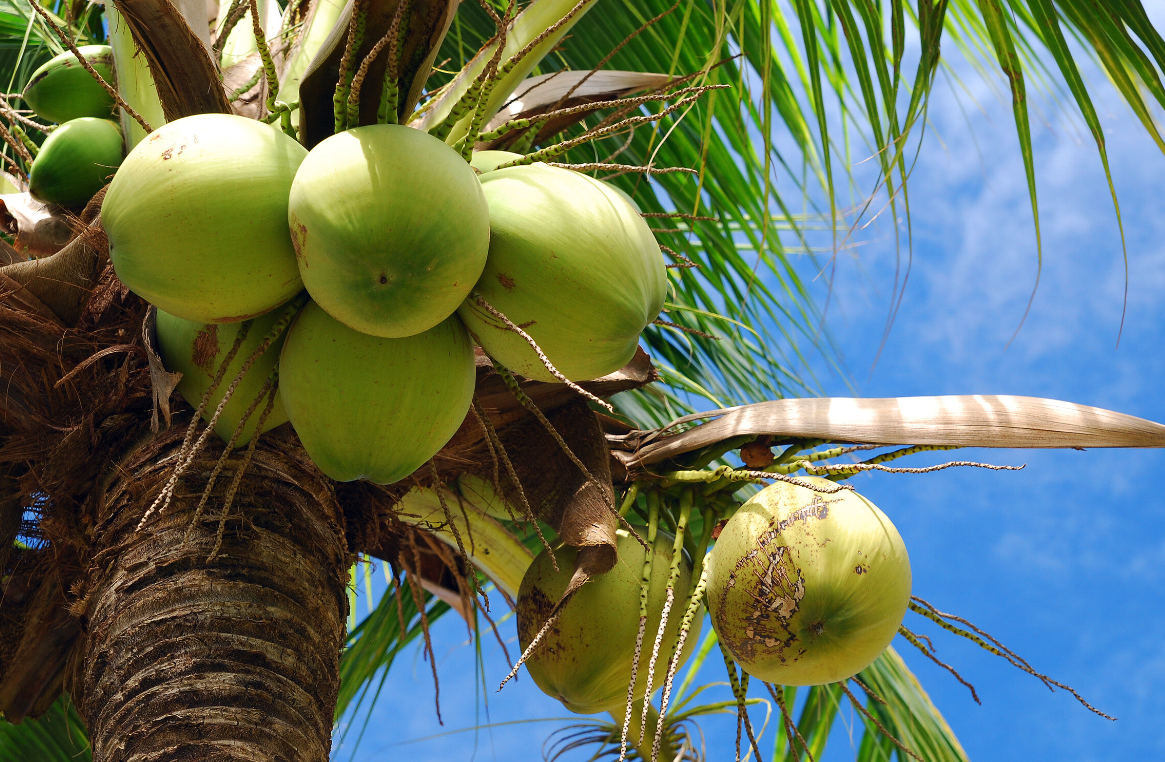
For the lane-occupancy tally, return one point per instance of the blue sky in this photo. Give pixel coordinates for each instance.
(1064, 561)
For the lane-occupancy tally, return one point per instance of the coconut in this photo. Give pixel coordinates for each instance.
(805, 587)
(572, 263)
(197, 218)
(372, 407)
(390, 227)
(196, 350)
(488, 161)
(76, 160)
(584, 661)
(61, 90)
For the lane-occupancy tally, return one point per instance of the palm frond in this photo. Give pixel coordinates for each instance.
(58, 735)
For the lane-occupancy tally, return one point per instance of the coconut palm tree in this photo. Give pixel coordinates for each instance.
(177, 600)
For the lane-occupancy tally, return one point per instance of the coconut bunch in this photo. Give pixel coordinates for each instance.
(408, 258)
(85, 147)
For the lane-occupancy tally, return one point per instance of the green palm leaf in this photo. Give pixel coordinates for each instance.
(58, 735)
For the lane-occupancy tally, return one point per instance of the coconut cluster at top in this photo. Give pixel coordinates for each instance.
(408, 255)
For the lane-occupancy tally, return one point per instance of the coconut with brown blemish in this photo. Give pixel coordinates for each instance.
(806, 587)
(196, 350)
(197, 218)
(572, 262)
(584, 660)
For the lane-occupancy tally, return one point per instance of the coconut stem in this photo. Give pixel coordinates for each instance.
(791, 731)
(230, 446)
(265, 54)
(246, 86)
(390, 95)
(668, 750)
(881, 728)
(537, 641)
(629, 498)
(487, 88)
(419, 600)
(740, 691)
(644, 587)
(390, 36)
(674, 662)
(18, 147)
(229, 498)
(521, 124)
(558, 149)
(241, 336)
(449, 517)
(234, 14)
(914, 641)
(686, 499)
(998, 649)
(32, 147)
(344, 80)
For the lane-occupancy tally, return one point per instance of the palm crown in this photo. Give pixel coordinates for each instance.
(718, 120)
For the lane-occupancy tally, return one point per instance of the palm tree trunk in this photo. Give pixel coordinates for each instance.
(235, 658)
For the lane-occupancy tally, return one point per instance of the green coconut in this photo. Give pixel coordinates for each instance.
(572, 263)
(197, 218)
(391, 229)
(372, 407)
(805, 587)
(585, 660)
(196, 350)
(61, 90)
(488, 161)
(76, 160)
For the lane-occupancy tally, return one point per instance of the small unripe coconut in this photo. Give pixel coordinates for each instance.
(368, 407)
(197, 218)
(391, 229)
(76, 160)
(572, 263)
(805, 587)
(488, 161)
(584, 660)
(196, 350)
(61, 90)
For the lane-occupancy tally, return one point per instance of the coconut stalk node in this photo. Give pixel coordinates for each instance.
(585, 657)
(573, 264)
(806, 588)
(197, 218)
(428, 21)
(62, 90)
(390, 229)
